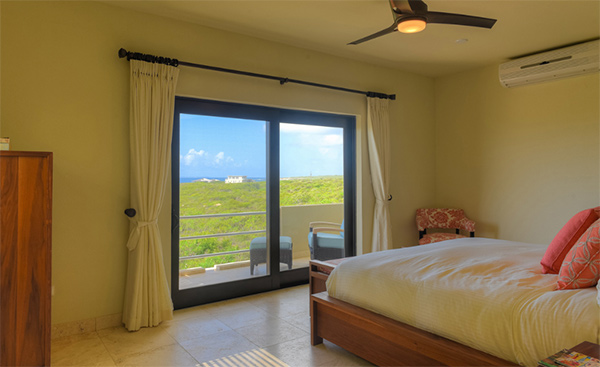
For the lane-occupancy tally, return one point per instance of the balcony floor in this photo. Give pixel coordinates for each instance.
(213, 276)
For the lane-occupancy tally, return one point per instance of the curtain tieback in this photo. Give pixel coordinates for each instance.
(135, 233)
(141, 224)
(382, 202)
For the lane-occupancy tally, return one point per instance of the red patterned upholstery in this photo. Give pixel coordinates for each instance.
(439, 218)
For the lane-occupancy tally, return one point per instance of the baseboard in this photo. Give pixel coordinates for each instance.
(86, 326)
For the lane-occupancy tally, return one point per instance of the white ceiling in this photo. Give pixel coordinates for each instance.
(523, 27)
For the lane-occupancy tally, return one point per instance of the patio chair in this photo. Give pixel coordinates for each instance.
(326, 240)
(258, 251)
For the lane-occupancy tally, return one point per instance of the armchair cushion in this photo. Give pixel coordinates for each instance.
(285, 243)
(327, 240)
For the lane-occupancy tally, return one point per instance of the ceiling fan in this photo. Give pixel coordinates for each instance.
(411, 16)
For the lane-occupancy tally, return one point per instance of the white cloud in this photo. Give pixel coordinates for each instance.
(312, 136)
(314, 141)
(195, 158)
(308, 129)
(192, 155)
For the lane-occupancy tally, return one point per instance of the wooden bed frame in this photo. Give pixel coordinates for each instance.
(386, 342)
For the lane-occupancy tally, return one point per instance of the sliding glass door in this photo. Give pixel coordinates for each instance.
(222, 198)
(311, 190)
(247, 183)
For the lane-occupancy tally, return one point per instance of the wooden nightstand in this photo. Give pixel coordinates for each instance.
(319, 272)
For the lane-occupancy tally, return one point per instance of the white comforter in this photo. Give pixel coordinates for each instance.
(485, 293)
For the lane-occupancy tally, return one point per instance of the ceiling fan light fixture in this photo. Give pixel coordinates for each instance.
(412, 25)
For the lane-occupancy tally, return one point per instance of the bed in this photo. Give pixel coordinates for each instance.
(471, 301)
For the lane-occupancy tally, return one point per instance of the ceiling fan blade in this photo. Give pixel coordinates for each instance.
(459, 19)
(383, 32)
(418, 6)
(408, 7)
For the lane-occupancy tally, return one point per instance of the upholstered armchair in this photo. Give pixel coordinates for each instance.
(438, 218)
(326, 240)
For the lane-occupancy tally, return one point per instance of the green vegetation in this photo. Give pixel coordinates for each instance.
(201, 198)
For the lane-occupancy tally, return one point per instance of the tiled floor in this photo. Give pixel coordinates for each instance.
(275, 322)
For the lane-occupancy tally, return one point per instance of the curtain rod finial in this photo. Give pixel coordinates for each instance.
(122, 53)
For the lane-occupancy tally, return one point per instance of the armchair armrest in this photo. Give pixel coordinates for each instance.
(326, 229)
(467, 224)
(313, 224)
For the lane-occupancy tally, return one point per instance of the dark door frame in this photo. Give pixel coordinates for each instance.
(273, 117)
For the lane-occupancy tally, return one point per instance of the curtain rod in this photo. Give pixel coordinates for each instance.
(174, 62)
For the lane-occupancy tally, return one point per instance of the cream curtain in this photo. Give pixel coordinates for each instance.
(152, 89)
(378, 132)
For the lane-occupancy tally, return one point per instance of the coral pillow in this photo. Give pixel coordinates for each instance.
(566, 238)
(581, 268)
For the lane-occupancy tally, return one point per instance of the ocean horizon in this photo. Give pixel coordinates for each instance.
(222, 179)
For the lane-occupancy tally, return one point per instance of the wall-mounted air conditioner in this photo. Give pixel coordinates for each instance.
(561, 63)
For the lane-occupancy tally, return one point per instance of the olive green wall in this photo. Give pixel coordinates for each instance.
(64, 90)
(520, 161)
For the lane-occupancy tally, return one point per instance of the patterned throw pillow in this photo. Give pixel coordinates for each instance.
(564, 241)
(581, 268)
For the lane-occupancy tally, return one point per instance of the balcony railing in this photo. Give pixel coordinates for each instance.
(294, 222)
(222, 215)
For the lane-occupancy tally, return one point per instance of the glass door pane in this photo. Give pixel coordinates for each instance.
(222, 200)
(311, 193)
(246, 187)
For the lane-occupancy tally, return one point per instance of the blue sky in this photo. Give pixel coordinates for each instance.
(221, 147)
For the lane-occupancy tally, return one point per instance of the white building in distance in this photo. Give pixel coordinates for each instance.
(238, 179)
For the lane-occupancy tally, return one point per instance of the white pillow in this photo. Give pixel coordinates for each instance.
(598, 295)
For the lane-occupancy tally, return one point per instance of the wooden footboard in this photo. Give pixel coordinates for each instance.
(386, 342)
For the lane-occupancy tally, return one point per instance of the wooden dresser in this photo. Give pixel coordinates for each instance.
(25, 249)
